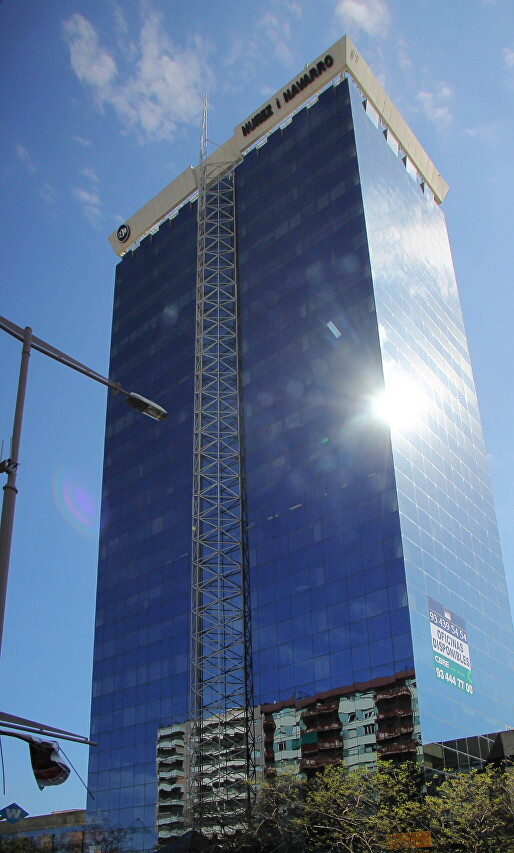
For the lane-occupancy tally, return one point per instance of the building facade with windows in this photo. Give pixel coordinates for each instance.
(50, 832)
(379, 614)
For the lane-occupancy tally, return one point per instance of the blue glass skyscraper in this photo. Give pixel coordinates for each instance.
(375, 566)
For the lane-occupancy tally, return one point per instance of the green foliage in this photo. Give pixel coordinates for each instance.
(353, 811)
(277, 813)
(474, 812)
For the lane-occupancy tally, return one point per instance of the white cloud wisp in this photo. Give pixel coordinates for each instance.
(88, 196)
(436, 105)
(369, 16)
(24, 156)
(160, 90)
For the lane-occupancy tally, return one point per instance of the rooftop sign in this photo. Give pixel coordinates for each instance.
(305, 80)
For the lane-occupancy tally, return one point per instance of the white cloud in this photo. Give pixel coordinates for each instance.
(273, 34)
(48, 195)
(91, 63)
(120, 22)
(436, 105)
(370, 16)
(237, 53)
(88, 195)
(486, 134)
(23, 155)
(278, 31)
(125, 44)
(82, 141)
(508, 57)
(90, 174)
(91, 204)
(404, 60)
(508, 62)
(293, 7)
(276, 25)
(46, 192)
(161, 90)
(241, 59)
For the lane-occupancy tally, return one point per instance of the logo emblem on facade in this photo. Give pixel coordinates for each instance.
(13, 813)
(123, 233)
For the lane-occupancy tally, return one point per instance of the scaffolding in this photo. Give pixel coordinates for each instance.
(222, 771)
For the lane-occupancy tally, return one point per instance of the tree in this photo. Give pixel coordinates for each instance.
(360, 810)
(99, 838)
(474, 812)
(273, 826)
(102, 838)
(19, 844)
(353, 811)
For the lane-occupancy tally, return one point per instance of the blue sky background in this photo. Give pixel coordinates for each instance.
(100, 108)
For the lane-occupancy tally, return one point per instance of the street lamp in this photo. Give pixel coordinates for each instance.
(10, 466)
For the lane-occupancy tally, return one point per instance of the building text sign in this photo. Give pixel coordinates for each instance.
(288, 94)
(450, 647)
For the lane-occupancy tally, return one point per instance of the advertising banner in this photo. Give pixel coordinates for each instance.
(452, 659)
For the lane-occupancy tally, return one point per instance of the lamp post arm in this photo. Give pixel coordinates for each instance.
(9, 721)
(47, 349)
(10, 466)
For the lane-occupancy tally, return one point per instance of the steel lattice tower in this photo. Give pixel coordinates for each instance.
(222, 739)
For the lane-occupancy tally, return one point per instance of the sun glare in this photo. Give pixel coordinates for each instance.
(401, 404)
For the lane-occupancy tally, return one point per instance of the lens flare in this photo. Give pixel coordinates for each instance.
(402, 404)
(76, 504)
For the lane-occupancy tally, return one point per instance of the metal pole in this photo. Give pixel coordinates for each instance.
(10, 490)
(10, 466)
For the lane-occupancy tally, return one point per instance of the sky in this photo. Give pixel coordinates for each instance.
(100, 107)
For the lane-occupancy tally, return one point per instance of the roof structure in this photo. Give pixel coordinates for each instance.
(342, 58)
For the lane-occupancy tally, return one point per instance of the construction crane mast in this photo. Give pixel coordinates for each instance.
(222, 734)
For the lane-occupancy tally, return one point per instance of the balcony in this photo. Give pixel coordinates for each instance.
(393, 692)
(334, 743)
(397, 731)
(406, 711)
(391, 748)
(171, 809)
(309, 747)
(324, 727)
(176, 819)
(321, 761)
(171, 761)
(327, 708)
(170, 773)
